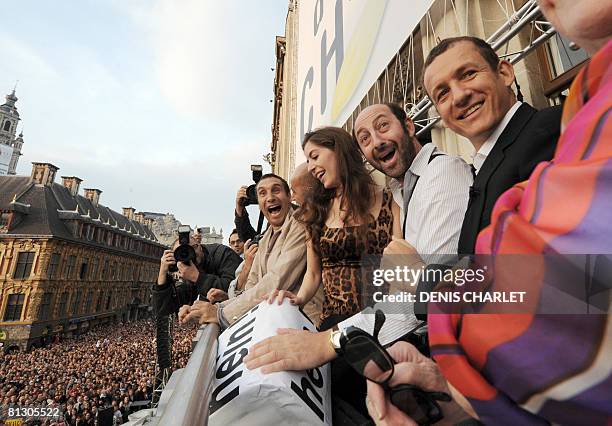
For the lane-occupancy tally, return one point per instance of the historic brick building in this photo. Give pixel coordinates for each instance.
(66, 261)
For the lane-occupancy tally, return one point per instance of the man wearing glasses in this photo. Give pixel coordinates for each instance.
(214, 267)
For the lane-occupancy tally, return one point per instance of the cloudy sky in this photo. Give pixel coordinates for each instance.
(161, 104)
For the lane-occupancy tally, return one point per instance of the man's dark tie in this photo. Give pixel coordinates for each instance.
(473, 190)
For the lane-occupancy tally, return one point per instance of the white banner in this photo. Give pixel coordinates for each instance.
(6, 152)
(247, 397)
(343, 48)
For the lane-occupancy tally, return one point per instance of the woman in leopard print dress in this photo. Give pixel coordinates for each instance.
(347, 217)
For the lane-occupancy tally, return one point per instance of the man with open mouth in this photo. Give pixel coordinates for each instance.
(430, 187)
(471, 89)
(279, 263)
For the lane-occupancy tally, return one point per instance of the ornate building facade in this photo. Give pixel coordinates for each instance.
(211, 236)
(66, 261)
(282, 150)
(165, 227)
(10, 145)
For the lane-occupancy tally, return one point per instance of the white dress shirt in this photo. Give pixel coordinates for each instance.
(434, 218)
(481, 155)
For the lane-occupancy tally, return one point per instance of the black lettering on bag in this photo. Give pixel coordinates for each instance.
(237, 335)
(302, 392)
(216, 404)
(318, 381)
(223, 371)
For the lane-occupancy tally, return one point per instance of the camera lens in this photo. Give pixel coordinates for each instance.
(184, 253)
(251, 196)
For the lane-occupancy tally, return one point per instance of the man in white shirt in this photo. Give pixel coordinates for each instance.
(471, 89)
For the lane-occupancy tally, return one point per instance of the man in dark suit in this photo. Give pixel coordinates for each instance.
(471, 89)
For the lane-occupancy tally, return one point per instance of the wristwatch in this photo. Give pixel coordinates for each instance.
(336, 340)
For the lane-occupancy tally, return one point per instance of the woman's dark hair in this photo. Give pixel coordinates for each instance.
(357, 184)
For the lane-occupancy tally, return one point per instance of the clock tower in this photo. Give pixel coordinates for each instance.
(9, 117)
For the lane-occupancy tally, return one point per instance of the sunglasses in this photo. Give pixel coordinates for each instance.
(369, 358)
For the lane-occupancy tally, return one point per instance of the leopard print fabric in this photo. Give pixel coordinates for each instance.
(341, 258)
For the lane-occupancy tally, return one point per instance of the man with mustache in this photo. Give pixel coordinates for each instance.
(430, 187)
(471, 89)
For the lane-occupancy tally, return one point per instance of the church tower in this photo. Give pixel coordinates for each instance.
(9, 117)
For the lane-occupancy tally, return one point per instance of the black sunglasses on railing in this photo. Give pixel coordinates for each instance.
(369, 358)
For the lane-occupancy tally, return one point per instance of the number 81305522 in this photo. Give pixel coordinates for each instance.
(29, 412)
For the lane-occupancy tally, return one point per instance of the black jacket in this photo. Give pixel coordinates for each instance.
(529, 138)
(217, 270)
(243, 226)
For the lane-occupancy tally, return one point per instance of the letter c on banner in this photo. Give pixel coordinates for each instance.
(307, 81)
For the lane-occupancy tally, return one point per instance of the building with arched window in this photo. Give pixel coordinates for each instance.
(66, 261)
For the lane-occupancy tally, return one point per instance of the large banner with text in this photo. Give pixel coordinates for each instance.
(343, 47)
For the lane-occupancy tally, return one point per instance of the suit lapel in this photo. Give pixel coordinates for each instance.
(508, 136)
(476, 205)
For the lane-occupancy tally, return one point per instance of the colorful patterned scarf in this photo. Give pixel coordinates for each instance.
(533, 368)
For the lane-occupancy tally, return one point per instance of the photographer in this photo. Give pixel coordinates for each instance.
(241, 217)
(214, 267)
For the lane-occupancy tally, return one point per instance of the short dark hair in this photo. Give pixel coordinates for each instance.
(484, 48)
(234, 231)
(283, 181)
(397, 111)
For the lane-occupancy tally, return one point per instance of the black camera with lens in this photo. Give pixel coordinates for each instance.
(251, 191)
(256, 238)
(183, 252)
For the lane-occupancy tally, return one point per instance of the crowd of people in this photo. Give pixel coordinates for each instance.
(106, 369)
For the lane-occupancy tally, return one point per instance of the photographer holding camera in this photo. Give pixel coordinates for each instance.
(201, 267)
(247, 196)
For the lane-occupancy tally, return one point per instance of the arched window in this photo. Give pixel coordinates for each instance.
(7, 126)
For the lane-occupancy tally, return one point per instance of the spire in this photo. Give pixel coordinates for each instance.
(9, 106)
(11, 99)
